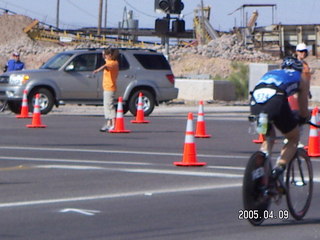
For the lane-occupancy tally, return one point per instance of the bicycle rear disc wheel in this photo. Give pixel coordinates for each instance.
(255, 185)
(299, 183)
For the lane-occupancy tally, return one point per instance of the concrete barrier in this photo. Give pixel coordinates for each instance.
(257, 70)
(205, 89)
(315, 92)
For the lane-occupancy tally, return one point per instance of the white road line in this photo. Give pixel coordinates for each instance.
(118, 195)
(81, 211)
(71, 160)
(115, 152)
(143, 170)
(125, 152)
(72, 167)
(184, 173)
(83, 167)
(227, 167)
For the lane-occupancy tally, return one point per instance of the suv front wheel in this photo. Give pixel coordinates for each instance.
(148, 101)
(46, 100)
(14, 106)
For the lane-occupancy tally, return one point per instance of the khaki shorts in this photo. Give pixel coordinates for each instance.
(108, 106)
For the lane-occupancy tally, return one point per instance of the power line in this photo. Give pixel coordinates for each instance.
(137, 10)
(81, 9)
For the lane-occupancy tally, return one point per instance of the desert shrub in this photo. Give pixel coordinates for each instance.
(239, 77)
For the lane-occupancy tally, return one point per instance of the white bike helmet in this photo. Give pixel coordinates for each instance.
(301, 47)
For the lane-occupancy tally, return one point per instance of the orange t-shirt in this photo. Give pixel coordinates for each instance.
(110, 75)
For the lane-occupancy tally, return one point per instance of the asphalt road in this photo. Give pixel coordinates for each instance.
(69, 181)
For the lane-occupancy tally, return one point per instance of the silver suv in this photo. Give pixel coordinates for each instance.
(67, 78)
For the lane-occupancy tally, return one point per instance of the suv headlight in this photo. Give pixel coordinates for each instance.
(18, 79)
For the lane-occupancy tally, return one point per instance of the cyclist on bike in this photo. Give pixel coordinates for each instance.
(270, 96)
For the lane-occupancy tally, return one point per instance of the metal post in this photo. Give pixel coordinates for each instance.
(203, 36)
(100, 16)
(105, 13)
(58, 12)
(167, 40)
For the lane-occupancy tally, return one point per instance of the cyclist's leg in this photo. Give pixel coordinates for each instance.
(267, 145)
(287, 123)
(290, 148)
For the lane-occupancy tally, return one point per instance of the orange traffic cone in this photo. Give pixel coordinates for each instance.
(24, 107)
(189, 152)
(140, 112)
(119, 125)
(314, 142)
(201, 125)
(260, 139)
(36, 118)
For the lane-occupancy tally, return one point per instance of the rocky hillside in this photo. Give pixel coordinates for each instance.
(213, 59)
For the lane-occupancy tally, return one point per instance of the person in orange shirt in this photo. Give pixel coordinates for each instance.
(301, 54)
(109, 84)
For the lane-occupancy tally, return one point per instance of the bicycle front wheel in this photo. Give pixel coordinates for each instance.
(255, 187)
(299, 183)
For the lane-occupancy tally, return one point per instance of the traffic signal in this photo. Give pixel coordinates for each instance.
(178, 26)
(176, 6)
(162, 26)
(169, 6)
(164, 5)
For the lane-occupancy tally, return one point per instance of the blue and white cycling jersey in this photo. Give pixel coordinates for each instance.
(286, 80)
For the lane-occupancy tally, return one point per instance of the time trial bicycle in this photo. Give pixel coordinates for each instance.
(260, 188)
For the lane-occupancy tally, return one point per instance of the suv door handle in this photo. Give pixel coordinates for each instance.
(128, 76)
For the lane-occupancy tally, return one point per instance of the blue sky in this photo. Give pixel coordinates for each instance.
(84, 13)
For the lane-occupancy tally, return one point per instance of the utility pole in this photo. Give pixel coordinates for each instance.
(203, 34)
(58, 11)
(105, 13)
(100, 16)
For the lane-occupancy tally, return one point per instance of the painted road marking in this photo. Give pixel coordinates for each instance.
(71, 160)
(116, 152)
(72, 167)
(143, 170)
(81, 211)
(22, 148)
(120, 195)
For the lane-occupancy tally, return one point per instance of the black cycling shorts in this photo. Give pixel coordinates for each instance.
(279, 112)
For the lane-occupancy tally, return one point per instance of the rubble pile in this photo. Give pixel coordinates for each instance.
(212, 59)
(226, 47)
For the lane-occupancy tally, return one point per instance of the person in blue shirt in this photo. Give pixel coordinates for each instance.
(14, 64)
(270, 96)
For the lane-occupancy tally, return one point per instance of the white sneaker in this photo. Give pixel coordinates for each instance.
(104, 128)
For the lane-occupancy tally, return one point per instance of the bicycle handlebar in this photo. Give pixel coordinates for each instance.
(313, 124)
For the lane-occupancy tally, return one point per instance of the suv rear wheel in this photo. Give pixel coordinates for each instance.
(147, 100)
(46, 100)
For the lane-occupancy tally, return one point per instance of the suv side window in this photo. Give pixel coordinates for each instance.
(84, 62)
(153, 62)
(123, 63)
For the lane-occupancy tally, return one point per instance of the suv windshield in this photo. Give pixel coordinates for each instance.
(57, 61)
